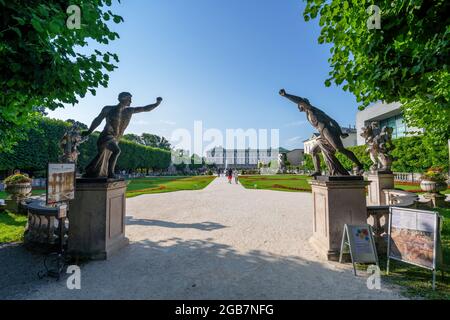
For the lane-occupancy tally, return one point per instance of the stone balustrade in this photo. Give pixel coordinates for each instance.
(378, 219)
(407, 177)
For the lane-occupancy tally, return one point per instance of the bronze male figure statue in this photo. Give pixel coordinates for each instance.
(329, 141)
(117, 119)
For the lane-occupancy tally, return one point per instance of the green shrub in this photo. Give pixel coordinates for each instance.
(42, 147)
(411, 154)
(17, 178)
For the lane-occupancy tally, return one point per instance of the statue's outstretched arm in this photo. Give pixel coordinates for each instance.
(97, 121)
(148, 108)
(297, 100)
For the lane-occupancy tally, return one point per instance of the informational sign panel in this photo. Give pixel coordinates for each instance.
(60, 182)
(413, 236)
(360, 242)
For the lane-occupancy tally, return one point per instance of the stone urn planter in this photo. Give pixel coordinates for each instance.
(432, 183)
(18, 188)
(18, 191)
(430, 186)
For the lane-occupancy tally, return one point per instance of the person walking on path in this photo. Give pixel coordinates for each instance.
(229, 175)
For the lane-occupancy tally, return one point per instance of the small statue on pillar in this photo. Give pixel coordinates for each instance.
(379, 146)
(69, 143)
(281, 163)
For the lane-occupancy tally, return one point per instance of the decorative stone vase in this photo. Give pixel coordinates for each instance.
(430, 186)
(17, 192)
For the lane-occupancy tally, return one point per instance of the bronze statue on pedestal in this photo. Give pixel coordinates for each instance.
(329, 141)
(117, 119)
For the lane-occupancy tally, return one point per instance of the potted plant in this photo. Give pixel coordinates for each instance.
(434, 180)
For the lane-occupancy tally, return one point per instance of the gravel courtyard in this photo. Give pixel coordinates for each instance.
(223, 242)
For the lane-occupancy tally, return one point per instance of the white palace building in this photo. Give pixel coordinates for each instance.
(240, 158)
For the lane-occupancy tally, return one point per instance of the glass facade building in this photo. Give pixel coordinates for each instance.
(398, 124)
(389, 115)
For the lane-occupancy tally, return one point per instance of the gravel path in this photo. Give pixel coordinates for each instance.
(223, 242)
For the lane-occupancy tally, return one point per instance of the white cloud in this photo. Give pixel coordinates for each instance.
(295, 139)
(294, 142)
(141, 123)
(296, 123)
(167, 122)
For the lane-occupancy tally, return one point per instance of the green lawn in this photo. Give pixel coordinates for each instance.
(415, 188)
(137, 187)
(290, 183)
(297, 183)
(11, 227)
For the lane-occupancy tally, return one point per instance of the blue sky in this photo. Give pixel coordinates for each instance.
(221, 62)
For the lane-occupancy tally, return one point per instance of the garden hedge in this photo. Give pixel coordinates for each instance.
(42, 147)
(411, 154)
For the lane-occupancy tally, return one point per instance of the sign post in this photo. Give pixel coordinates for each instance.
(60, 190)
(414, 238)
(359, 240)
(60, 183)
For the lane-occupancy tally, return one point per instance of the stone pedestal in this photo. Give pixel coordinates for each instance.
(97, 219)
(337, 201)
(379, 182)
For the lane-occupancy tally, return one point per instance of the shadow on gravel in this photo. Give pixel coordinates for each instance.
(18, 269)
(204, 226)
(186, 269)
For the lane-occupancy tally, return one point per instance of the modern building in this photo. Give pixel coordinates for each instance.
(350, 141)
(386, 115)
(240, 159)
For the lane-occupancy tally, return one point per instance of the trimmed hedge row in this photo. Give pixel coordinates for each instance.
(411, 154)
(42, 147)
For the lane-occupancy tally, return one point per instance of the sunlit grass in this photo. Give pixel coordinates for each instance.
(289, 183)
(12, 227)
(137, 187)
(299, 183)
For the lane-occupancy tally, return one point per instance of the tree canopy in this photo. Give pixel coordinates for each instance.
(149, 140)
(406, 60)
(40, 67)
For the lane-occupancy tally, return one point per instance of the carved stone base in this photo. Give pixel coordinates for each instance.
(97, 219)
(337, 201)
(378, 183)
(42, 230)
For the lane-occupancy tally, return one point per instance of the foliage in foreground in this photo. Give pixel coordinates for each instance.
(405, 60)
(40, 67)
